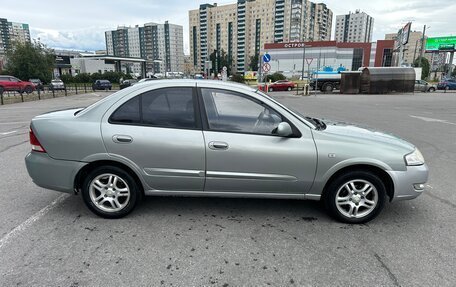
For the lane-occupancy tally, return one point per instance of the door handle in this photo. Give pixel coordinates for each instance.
(122, 139)
(218, 145)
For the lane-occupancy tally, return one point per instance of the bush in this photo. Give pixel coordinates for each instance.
(113, 77)
(274, 77)
(239, 78)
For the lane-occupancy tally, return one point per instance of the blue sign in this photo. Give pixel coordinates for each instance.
(266, 58)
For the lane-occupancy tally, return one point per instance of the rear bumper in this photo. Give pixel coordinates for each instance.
(406, 183)
(52, 174)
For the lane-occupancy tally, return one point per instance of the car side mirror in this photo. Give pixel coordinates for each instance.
(284, 129)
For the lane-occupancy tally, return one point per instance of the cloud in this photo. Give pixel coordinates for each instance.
(82, 39)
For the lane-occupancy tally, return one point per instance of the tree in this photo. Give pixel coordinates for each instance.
(253, 63)
(30, 61)
(220, 61)
(424, 64)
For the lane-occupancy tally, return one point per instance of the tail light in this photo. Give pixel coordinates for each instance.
(36, 146)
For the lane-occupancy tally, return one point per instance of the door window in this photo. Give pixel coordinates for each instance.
(233, 112)
(171, 107)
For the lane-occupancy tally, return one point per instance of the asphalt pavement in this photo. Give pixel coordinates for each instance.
(51, 239)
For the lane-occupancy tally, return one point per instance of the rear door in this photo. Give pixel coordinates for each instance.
(159, 132)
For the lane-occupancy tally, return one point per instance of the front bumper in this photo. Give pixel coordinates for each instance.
(406, 182)
(51, 173)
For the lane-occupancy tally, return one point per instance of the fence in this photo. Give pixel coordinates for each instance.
(10, 97)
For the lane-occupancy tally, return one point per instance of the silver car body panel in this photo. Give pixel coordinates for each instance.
(179, 161)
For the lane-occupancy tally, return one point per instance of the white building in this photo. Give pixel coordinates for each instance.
(354, 27)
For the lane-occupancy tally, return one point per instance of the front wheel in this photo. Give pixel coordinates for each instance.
(110, 192)
(28, 90)
(355, 197)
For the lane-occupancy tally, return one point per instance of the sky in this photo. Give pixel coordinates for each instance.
(81, 24)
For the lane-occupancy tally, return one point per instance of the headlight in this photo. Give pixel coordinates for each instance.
(414, 158)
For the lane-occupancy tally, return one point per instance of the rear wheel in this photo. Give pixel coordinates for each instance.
(110, 192)
(289, 88)
(328, 88)
(355, 197)
(431, 90)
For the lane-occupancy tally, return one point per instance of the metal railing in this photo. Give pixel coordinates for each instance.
(10, 97)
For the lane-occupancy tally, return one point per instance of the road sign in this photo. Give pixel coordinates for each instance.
(266, 58)
(309, 61)
(266, 67)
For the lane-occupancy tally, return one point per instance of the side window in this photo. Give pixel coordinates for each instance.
(128, 113)
(171, 107)
(234, 112)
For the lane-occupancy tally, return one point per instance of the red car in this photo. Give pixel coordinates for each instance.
(282, 85)
(10, 83)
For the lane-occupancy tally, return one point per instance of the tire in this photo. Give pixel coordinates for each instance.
(28, 90)
(117, 201)
(368, 204)
(270, 89)
(431, 90)
(289, 88)
(327, 88)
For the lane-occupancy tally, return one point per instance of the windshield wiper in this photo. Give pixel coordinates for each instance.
(318, 123)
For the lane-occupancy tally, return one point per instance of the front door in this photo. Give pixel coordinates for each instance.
(160, 133)
(244, 155)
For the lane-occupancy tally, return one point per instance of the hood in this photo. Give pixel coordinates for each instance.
(357, 133)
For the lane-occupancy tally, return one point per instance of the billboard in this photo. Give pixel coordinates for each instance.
(405, 35)
(441, 44)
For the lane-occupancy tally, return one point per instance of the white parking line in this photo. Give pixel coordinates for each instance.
(432, 120)
(8, 133)
(18, 229)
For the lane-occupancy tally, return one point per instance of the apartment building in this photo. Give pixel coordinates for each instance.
(412, 49)
(161, 45)
(12, 32)
(354, 27)
(242, 28)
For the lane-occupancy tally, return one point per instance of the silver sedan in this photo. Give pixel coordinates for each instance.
(210, 138)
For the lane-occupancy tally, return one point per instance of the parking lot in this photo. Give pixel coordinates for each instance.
(52, 239)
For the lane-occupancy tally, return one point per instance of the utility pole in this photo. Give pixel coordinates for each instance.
(422, 46)
(303, 59)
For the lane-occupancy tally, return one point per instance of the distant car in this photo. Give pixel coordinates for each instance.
(38, 84)
(101, 85)
(282, 85)
(10, 83)
(56, 85)
(127, 83)
(423, 86)
(447, 84)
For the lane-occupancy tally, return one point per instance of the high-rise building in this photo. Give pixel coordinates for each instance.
(354, 27)
(241, 29)
(412, 49)
(11, 32)
(161, 45)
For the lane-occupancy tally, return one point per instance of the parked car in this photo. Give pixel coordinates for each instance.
(213, 138)
(56, 85)
(282, 85)
(447, 84)
(101, 85)
(10, 83)
(38, 84)
(127, 83)
(424, 86)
